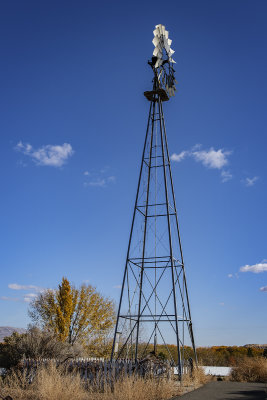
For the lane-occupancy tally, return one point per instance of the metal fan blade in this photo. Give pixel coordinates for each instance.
(160, 28)
(166, 34)
(158, 63)
(155, 41)
(169, 42)
(166, 45)
(156, 32)
(172, 51)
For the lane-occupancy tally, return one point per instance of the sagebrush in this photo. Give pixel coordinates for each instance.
(250, 370)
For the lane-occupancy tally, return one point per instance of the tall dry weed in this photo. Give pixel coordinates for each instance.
(196, 379)
(250, 369)
(51, 383)
(136, 388)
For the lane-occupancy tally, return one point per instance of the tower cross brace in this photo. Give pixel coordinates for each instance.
(154, 307)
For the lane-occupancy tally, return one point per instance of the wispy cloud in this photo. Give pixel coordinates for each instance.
(179, 157)
(263, 289)
(210, 158)
(48, 155)
(117, 287)
(256, 268)
(226, 176)
(221, 304)
(29, 297)
(97, 182)
(25, 298)
(235, 275)
(16, 286)
(251, 181)
(6, 298)
(100, 178)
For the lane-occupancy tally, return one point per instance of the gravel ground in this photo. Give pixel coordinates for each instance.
(228, 391)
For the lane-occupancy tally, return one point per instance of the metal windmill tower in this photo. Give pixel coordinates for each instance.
(154, 304)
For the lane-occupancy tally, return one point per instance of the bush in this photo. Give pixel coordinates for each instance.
(34, 344)
(250, 370)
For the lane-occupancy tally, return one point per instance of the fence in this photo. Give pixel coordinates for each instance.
(101, 371)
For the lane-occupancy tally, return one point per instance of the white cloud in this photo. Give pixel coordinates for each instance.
(221, 304)
(263, 289)
(212, 158)
(29, 297)
(251, 181)
(226, 176)
(256, 268)
(48, 155)
(111, 179)
(5, 298)
(230, 275)
(99, 178)
(179, 157)
(97, 182)
(16, 286)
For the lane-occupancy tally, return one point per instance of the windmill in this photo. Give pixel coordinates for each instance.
(154, 309)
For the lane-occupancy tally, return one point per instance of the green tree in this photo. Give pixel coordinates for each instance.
(73, 314)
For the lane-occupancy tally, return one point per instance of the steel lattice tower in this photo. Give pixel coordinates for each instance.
(154, 304)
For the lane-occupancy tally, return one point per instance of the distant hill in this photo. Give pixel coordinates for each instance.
(258, 346)
(8, 330)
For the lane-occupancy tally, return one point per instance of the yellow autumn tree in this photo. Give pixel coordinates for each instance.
(73, 314)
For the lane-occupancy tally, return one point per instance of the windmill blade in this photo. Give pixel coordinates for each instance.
(158, 63)
(156, 41)
(169, 42)
(166, 34)
(157, 52)
(161, 28)
(166, 44)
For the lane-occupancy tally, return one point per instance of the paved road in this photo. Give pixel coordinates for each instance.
(228, 391)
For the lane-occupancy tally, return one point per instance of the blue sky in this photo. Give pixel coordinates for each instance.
(73, 119)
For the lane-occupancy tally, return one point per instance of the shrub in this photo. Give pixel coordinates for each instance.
(250, 370)
(34, 344)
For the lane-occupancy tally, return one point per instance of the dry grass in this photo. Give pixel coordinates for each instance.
(55, 384)
(139, 389)
(49, 384)
(197, 378)
(250, 370)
